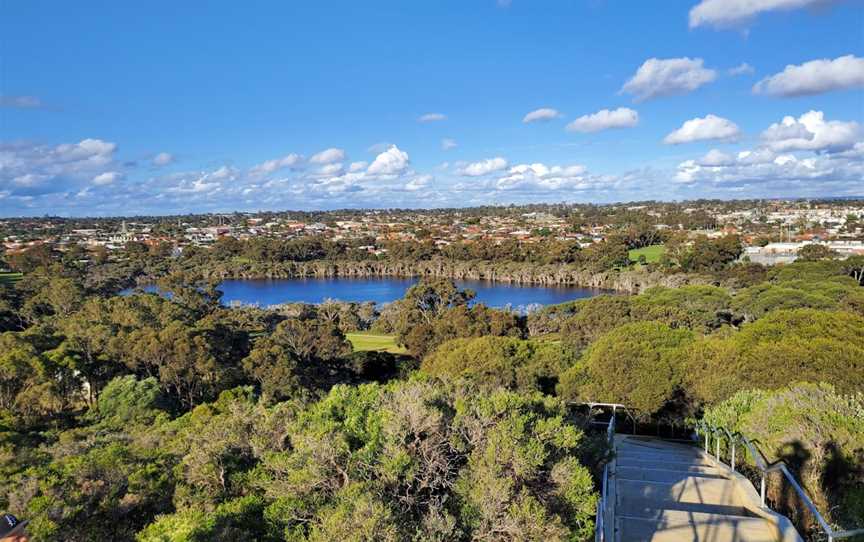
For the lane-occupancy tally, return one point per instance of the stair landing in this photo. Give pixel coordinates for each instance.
(665, 491)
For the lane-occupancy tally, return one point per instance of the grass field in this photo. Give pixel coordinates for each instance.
(365, 342)
(9, 278)
(652, 254)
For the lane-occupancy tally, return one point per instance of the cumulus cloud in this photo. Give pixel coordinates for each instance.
(21, 102)
(328, 156)
(483, 167)
(539, 176)
(432, 117)
(448, 144)
(605, 119)
(289, 160)
(109, 177)
(542, 114)
(358, 166)
(731, 13)
(814, 77)
(784, 174)
(389, 162)
(741, 69)
(331, 169)
(811, 132)
(163, 159)
(38, 169)
(667, 77)
(716, 157)
(418, 183)
(708, 128)
(807, 156)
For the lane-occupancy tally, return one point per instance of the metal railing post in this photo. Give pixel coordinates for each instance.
(732, 462)
(762, 488)
(765, 468)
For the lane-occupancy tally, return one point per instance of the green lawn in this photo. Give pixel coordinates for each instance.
(364, 342)
(652, 254)
(9, 278)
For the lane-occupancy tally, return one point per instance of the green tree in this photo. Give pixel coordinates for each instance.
(500, 361)
(784, 346)
(637, 364)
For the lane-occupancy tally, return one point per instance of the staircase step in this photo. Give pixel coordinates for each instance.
(674, 464)
(676, 526)
(691, 493)
(653, 456)
(667, 475)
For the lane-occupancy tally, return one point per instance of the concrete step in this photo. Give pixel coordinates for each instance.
(674, 464)
(679, 458)
(690, 493)
(667, 475)
(676, 526)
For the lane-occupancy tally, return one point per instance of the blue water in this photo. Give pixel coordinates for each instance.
(265, 292)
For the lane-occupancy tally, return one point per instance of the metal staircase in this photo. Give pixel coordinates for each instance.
(673, 491)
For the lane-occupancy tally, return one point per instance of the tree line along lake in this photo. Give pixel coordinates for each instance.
(267, 292)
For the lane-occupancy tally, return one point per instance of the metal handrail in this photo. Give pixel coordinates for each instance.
(600, 521)
(765, 467)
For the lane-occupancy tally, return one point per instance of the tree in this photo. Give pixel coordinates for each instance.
(605, 255)
(700, 308)
(593, 317)
(430, 297)
(506, 362)
(854, 267)
(815, 252)
(784, 346)
(636, 364)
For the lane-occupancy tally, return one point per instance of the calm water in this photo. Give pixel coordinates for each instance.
(383, 290)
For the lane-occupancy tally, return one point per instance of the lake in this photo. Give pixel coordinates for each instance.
(266, 292)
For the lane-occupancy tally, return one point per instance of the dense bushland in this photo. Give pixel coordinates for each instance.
(175, 418)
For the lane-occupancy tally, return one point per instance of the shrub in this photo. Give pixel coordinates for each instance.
(818, 432)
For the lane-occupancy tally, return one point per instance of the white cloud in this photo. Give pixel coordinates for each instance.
(378, 148)
(328, 156)
(781, 176)
(741, 69)
(109, 177)
(605, 119)
(27, 169)
(223, 173)
(163, 159)
(418, 183)
(389, 162)
(666, 77)
(331, 169)
(271, 166)
(539, 176)
(484, 167)
(21, 102)
(432, 117)
(542, 114)
(448, 144)
(358, 166)
(811, 132)
(708, 128)
(715, 157)
(730, 13)
(814, 77)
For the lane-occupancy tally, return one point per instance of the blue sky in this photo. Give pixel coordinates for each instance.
(166, 107)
